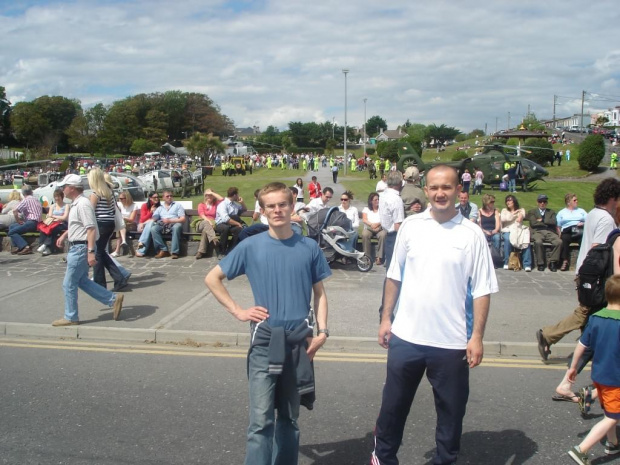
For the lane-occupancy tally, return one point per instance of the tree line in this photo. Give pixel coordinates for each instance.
(135, 124)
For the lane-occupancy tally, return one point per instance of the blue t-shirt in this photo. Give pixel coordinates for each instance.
(281, 273)
(602, 335)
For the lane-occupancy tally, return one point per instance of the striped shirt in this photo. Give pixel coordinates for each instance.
(30, 208)
(105, 210)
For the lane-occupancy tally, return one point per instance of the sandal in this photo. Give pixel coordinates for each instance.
(564, 266)
(585, 399)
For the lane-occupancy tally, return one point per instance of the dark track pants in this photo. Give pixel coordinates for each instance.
(448, 373)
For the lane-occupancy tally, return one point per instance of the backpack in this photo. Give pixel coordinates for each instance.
(594, 271)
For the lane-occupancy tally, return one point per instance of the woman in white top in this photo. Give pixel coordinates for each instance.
(353, 214)
(510, 216)
(372, 227)
(7, 218)
(130, 211)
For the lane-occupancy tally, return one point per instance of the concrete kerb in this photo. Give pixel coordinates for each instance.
(220, 339)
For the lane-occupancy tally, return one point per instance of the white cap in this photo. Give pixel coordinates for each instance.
(71, 180)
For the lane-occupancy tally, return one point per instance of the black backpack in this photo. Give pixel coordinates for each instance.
(594, 271)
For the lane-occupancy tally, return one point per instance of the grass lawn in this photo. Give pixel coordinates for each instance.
(362, 186)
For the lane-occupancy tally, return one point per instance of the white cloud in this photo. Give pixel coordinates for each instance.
(458, 63)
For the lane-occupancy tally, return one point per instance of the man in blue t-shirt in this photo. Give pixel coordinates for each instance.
(284, 270)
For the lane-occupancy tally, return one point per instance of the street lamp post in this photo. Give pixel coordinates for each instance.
(364, 154)
(333, 127)
(345, 71)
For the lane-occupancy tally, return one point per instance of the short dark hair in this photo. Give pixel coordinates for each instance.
(607, 189)
(328, 189)
(232, 191)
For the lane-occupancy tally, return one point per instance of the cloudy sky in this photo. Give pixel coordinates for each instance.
(268, 62)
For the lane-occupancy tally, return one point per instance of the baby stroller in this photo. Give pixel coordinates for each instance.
(332, 229)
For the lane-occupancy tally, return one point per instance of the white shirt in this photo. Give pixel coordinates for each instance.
(371, 216)
(316, 204)
(353, 214)
(599, 223)
(381, 186)
(442, 267)
(391, 209)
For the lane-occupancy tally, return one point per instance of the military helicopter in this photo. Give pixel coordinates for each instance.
(491, 161)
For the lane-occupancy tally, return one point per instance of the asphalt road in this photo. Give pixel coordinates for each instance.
(71, 402)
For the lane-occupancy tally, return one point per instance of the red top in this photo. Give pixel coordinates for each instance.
(145, 213)
(314, 190)
(207, 211)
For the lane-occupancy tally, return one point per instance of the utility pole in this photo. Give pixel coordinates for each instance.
(364, 153)
(508, 127)
(555, 100)
(485, 128)
(583, 96)
(345, 71)
(496, 120)
(333, 127)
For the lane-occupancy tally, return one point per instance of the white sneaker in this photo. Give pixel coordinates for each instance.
(47, 251)
(41, 248)
(528, 269)
(505, 267)
(114, 254)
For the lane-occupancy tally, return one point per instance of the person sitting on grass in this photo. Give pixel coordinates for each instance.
(602, 336)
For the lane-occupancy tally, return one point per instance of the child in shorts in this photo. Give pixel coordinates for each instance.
(602, 335)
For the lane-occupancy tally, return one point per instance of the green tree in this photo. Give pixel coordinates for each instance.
(418, 131)
(120, 128)
(541, 150)
(43, 123)
(591, 152)
(601, 120)
(330, 146)
(531, 123)
(141, 146)
(206, 146)
(388, 150)
(474, 133)
(441, 134)
(5, 111)
(85, 127)
(374, 124)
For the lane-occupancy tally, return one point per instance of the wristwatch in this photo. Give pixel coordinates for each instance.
(323, 331)
(90, 250)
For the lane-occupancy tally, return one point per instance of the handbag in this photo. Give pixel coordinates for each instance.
(576, 233)
(119, 221)
(47, 228)
(514, 262)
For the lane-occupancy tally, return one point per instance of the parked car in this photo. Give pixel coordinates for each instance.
(122, 181)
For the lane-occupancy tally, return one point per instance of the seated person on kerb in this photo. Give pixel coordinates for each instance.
(602, 335)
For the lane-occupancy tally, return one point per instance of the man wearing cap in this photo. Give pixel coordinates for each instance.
(27, 216)
(543, 225)
(82, 235)
(414, 199)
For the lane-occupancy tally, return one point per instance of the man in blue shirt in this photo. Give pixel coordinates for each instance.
(285, 270)
(168, 219)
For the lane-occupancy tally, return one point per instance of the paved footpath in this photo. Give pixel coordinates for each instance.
(167, 301)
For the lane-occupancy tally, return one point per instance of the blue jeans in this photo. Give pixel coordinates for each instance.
(495, 240)
(76, 277)
(160, 244)
(271, 442)
(16, 229)
(526, 254)
(512, 185)
(145, 237)
(349, 244)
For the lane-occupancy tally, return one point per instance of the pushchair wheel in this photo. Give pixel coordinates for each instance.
(364, 263)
